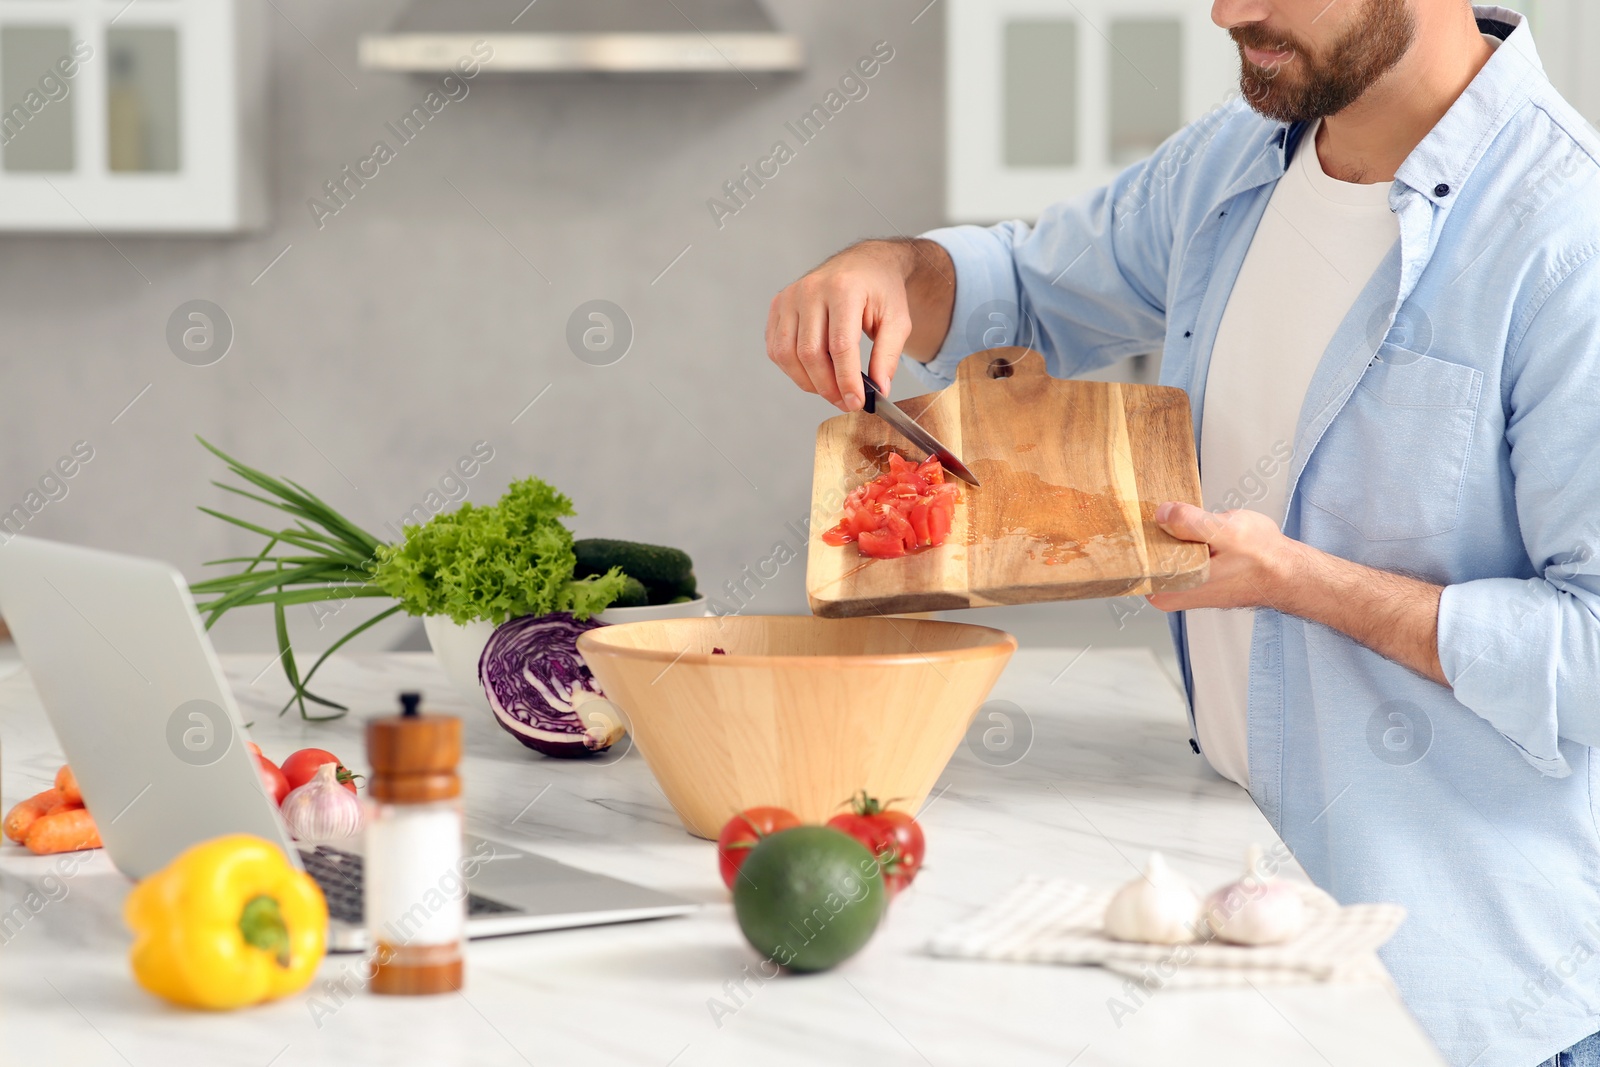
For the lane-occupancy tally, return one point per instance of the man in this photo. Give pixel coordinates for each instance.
(1376, 274)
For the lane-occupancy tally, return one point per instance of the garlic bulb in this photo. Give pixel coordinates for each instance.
(1158, 907)
(1257, 909)
(322, 811)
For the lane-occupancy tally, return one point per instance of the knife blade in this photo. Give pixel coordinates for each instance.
(879, 405)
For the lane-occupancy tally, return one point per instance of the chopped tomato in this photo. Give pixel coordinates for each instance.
(918, 516)
(897, 523)
(940, 514)
(880, 544)
(907, 507)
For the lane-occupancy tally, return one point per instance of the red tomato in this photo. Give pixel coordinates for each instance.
(272, 779)
(301, 767)
(892, 836)
(742, 832)
(255, 749)
(909, 846)
(907, 507)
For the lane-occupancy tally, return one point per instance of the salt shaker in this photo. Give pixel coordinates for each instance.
(415, 894)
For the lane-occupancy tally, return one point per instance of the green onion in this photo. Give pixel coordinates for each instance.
(325, 557)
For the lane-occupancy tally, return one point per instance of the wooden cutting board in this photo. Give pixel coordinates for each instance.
(1072, 473)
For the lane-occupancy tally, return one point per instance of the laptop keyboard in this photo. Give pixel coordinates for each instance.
(340, 875)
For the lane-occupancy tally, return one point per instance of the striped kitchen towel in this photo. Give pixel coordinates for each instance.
(1058, 921)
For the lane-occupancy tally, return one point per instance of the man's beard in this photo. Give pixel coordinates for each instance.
(1315, 86)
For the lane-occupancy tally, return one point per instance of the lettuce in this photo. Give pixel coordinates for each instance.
(494, 563)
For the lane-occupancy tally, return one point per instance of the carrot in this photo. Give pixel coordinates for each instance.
(61, 803)
(65, 831)
(67, 782)
(22, 816)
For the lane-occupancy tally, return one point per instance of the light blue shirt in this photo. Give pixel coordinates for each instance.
(1452, 432)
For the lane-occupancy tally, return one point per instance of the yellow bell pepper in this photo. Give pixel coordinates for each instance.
(228, 923)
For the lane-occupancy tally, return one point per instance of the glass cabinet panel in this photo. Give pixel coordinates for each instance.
(1146, 85)
(1041, 93)
(36, 128)
(142, 99)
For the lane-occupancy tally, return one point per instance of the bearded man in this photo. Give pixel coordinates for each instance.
(1376, 275)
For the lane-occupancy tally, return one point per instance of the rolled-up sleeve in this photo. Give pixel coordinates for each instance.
(987, 273)
(1524, 653)
(1086, 285)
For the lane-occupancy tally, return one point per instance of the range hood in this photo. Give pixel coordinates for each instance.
(601, 36)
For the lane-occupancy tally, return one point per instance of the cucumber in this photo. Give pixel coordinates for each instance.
(664, 572)
(674, 594)
(633, 595)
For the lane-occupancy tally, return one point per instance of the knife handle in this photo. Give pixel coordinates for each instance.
(871, 395)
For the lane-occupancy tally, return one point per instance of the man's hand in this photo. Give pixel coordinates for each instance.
(1250, 557)
(899, 293)
(1253, 565)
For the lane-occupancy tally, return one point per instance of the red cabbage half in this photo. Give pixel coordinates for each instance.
(537, 684)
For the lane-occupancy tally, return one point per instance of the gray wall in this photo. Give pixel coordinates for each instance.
(381, 346)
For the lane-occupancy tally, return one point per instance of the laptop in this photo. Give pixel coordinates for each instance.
(148, 723)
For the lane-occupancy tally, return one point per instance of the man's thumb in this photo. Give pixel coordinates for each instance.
(1186, 522)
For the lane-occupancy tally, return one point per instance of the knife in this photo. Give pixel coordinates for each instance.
(878, 404)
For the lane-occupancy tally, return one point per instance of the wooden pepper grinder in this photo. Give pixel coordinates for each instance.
(415, 894)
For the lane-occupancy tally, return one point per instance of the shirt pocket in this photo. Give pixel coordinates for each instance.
(1394, 460)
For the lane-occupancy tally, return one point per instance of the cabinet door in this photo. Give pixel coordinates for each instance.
(1050, 98)
(118, 116)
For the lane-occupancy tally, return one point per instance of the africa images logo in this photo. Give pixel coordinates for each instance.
(1399, 733)
(198, 733)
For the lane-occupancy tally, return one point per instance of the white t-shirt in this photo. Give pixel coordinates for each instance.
(1316, 248)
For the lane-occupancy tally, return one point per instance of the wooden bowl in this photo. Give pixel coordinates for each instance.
(800, 712)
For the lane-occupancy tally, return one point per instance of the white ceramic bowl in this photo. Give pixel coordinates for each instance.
(460, 647)
(689, 609)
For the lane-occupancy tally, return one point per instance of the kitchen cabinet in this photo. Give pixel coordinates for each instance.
(131, 116)
(1047, 99)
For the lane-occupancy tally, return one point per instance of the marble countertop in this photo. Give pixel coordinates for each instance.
(1104, 775)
